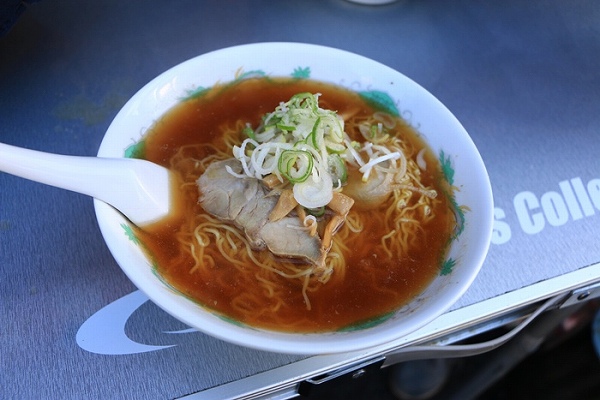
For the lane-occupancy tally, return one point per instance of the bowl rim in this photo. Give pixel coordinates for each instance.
(292, 343)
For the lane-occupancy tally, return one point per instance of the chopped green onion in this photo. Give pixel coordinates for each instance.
(337, 169)
(373, 131)
(336, 148)
(248, 131)
(314, 133)
(284, 127)
(317, 212)
(294, 142)
(295, 165)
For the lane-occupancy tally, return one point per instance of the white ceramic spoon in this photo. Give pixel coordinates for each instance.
(139, 189)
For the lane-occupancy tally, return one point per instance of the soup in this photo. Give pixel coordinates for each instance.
(387, 244)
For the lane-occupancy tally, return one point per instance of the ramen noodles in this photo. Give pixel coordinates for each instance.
(308, 208)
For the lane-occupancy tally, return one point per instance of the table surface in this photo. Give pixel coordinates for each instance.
(522, 77)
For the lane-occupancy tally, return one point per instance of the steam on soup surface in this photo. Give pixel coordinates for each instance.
(306, 209)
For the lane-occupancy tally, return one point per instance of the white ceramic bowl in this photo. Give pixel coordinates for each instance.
(422, 110)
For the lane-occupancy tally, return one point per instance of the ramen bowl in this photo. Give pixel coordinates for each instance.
(429, 117)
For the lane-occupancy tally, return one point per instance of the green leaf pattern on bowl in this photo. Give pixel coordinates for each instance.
(447, 266)
(380, 101)
(447, 168)
(301, 73)
(195, 93)
(368, 323)
(136, 150)
(131, 234)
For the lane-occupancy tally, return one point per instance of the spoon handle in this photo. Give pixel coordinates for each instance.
(138, 188)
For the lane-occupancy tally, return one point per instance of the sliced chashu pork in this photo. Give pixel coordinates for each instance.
(245, 202)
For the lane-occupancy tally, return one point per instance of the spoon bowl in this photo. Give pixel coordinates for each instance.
(139, 189)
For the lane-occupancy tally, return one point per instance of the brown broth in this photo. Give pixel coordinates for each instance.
(370, 288)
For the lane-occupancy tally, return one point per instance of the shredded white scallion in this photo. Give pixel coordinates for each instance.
(366, 169)
(302, 126)
(298, 139)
